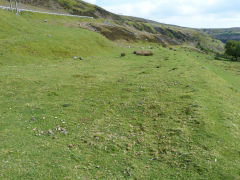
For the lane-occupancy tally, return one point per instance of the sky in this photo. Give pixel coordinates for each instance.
(187, 13)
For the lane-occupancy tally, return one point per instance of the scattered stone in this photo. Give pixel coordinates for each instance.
(158, 67)
(66, 105)
(45, 20)
(58, 128)
(143, 53)
(77, 58)
(61, 130)
(70, 146)
(50, 132)
(123, 54)
(33, 119)
(173, 69)
(164, 45)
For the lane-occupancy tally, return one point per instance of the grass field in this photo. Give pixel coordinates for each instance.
(174, 115)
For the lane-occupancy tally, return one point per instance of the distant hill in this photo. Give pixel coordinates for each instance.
(224, 34)
(117, 27)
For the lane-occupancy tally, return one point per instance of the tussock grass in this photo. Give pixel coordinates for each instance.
(174, 115)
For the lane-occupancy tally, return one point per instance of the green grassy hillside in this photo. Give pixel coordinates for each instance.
(118, 28)
(29, 36)
(174, 115)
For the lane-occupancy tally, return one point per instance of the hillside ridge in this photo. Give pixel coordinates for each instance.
(118, 27)
(224, 34)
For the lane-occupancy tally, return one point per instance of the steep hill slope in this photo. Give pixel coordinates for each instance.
(174, 115)
(46, 41)
(116, 27)
(224, 34)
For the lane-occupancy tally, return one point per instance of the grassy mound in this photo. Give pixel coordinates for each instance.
(29, 38)
(174, 115)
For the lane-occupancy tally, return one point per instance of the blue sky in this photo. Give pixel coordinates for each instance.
(189, 13)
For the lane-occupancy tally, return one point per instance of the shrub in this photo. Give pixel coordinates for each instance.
(232, 48)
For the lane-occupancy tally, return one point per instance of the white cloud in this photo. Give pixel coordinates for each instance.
(193, 13)
(143, 8)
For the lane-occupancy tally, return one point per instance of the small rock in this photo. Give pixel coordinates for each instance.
(33, 119)
(45, 20)
(143, 53)
(66, 105)
(50, 132)
(70, 146)
(77, 58)
(58, 128)
(123, 54)
(158, 67)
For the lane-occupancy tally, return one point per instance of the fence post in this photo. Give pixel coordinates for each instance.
(16, 5)
(11, 7)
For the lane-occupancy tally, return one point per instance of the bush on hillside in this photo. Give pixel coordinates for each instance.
(232, 48)
(220, 56)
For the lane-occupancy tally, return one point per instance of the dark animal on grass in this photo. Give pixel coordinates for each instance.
(143, 53)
